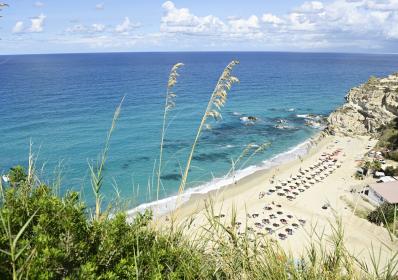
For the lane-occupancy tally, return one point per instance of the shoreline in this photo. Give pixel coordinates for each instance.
(167, 205)
(196, 201)
(338, 190)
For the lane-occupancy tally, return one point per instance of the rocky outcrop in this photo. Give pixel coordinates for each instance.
(367, 109)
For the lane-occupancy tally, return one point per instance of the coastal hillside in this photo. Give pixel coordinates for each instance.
(368, 108)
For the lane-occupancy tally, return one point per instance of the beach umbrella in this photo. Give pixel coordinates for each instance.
(302, 221)
(258, 225)
(312, 181)
(269, 230)
(289, 231)
(282, 236)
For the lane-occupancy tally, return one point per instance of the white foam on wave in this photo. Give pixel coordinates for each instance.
(168, 204)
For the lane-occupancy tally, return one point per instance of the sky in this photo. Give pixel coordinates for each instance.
(80, 26)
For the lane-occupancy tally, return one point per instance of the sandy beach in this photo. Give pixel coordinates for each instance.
(314, 204)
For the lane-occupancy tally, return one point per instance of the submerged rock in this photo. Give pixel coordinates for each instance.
(368, 108)
(250, 120)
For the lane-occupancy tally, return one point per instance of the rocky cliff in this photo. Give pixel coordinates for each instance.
(368, 108)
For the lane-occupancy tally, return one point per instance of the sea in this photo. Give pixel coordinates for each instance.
(60, 106)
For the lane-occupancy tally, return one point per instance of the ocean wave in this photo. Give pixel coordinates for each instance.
(168, 204)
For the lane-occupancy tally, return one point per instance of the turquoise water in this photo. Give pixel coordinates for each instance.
(64, 105)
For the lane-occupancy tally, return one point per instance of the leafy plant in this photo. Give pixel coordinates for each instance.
(17, 175)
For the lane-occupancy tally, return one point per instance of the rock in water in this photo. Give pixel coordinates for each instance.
(367, 109)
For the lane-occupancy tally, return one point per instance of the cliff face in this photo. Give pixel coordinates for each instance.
(367, 108)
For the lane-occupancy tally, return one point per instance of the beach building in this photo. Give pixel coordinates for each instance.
(379, 174)
(383, 192)
(386, 179)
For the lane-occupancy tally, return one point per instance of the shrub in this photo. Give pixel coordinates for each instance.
(60, 242)
(391, 171)
(392, 155)
(385, 213)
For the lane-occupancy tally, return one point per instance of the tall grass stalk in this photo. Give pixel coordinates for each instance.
(213, 109)
(261, 148)
(14, 252)
(96, 173)
(169, 105)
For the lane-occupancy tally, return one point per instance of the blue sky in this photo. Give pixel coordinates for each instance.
(45, 26)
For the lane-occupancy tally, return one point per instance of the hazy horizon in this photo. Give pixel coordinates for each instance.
(95, 26)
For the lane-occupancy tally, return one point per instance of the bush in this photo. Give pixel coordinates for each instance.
(61, 242)
(383, 214)
(392, 155)
(391, 171)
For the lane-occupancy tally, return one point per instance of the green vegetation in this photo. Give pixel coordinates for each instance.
(391, 171)
(389, 140)
(386, 214)
(43, 236)
(369, 166)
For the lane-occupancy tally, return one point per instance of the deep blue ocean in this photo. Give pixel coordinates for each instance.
(64, 104)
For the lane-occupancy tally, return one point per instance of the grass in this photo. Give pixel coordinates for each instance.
(47, 236)
(169, 105)
(96, 171)
(216, 102)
